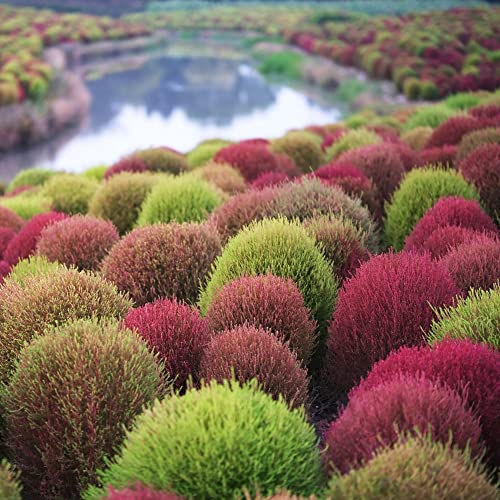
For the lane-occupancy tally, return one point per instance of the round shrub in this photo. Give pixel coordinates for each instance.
(449, 211)
(472, 370)
(417, 137)
(246, 353)
(61, 390)
(475, 317)
(10, 219)
(119, 200)
(4, 270)
(284, 249)
(473, 140)
(163, 160)
(54, 299)
(33, 266)
(373, 419)
(10, 489)
(267, 302)
(181, 199)
(24, 244)
(80, 241)
(130, 165)
(340, 241)
(268, 179)
(174, 331)
(303, 147)
(451, 131)
(96, 173)
(429, 116)
(250, 441)
(415, 468)
(6, 235)
(386, 305)
(70, 194)
(444, 155)
(228, 179)
(482, 168)
(352, 140)
(475, 263)
(164, 260)
(139, 493)
(26, 205)
(463, 100)
(420, 189)
(30, 177)
(204, 152)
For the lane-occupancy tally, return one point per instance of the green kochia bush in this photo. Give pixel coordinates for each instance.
(30, 177)
(284, 249)
(215, 442)
(303, 147)
(420, 189)
(204, 152)
(351, 140)
(429, 116)
(27, 205)
(10, 488)
(73, 393)
(36, 265)
(181, 199)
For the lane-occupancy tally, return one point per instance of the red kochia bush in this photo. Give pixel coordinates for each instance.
(139, 493)
(452, 130)
(372, 420)
(8, 218)
(24, 244)
(474, 264)
(176, 332)
(248, 352)
(470, 369)
(163, 260)
(79, 241)
(130, 164)
(449, 211)
(268, 302)
(4, 270)
(444, 155)
(489, 113)
(6, 234)
(269, 179)
(383, 307)
(482, 168)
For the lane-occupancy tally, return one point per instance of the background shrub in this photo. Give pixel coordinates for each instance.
(452, 130)
(6, 235)
(130, 165)
(351, 140)
(9, 219)
(33, 266)
(477, 138)
(10, 489)
(417, 137)
(269, 179)
(303, 147)
(97, 173)
(26, 205)
(204, 152)
(163, 160)
(429, 116)
(30, 177)
(226, 178)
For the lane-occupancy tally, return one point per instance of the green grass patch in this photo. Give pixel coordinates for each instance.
(285, 64)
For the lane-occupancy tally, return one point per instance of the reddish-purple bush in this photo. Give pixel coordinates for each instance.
(470, 369)
(129, 164)
(452, 130)
(4, 270)
(24, 243)
(444, 155)
(449, 211)
(489, 113)
(267, 302)
(386, 305)
(139, 493)
(474, 264)
(482, 168)
(248, 352)
(10, 219)
(269, 179)
(163, 260)
(372, 420)
(81, 241)
(6, 234)
(331, 138)
(176, 332)
(406, 154)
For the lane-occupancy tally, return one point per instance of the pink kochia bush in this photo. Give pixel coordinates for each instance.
(79, 241)
(444, 155)
(139, 493)
(386, 305)
(269, 179)
(6, 234)
(10, 219)
(452, 130)
(372, 420)
(174, 331)
(130, 164)
(470, 369)
(248, 352)
(24, 244)
(449, 211)
(268, 302)
(163, 260)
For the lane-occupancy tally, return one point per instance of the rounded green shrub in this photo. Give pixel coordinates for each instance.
(120, 198)
(351, 140)
(61, 417)
(282, 248)
(476, 317)
(204, 152)
(415, 468)
(30, 177)
(10, 489)
(163, 160)
(181, 199)
(429, 116)
(216, 442)
(96, 173)
(463, 100)
(36, 265)
(303, 147)
(27, 205)
(70, 194)
(420, 189)
(417, 137)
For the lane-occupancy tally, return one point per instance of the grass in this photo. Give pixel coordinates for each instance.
(285, 64)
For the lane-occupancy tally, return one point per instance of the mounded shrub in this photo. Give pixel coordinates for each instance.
(463, 100)
(385, 305)
(10, 489)
(228, 179)
(97, 173)
(6, 235)
(54, 299)
(163, 260)
(267, 302)
(80, 241)
(417, 137)
(163, 160)
(139, 493)
(25, 242)
(247, 353)
(130, 164)
(475, 263)
(444, 155)
(282, 248)
(352, 140)
(449, 211)
(474, 317)
(482, 168)
(342, 243)
(415, 468)
(30, 177)
(120, 199)
(451, 131)
(268, 179)
(420, 189)
(180, 199)
(429, 116)
(69, 194)
(33, 266)
(470, 369)
(4, 270)
(26, 205)
(303, 147)
(373, 419)
(9, 219)
(204, 152)
(174, 331)
(250, 441)
(61, 391)
(477, 138)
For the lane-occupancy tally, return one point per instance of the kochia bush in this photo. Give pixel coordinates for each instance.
(9, 219)
(10, 489)
(303, 147)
